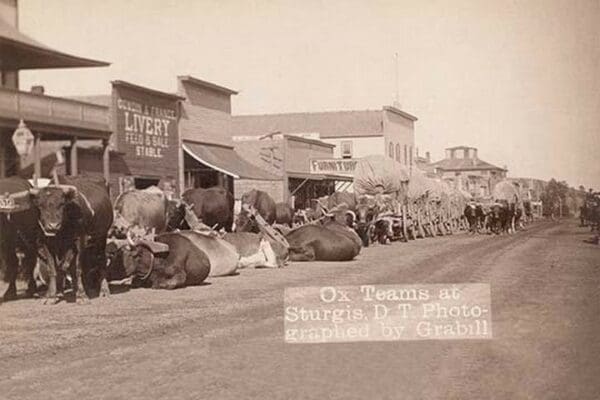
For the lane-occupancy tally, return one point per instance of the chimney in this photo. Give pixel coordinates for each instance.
(428, 157)
(37, 89)
(474, 153)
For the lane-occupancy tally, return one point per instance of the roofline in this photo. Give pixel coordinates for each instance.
(460, 147)
(303, 113)
(210, 85)
(471, 168)
(342, 136)
(400, 112)
(226, 146)
(307, 140)
(145, 89)
(87, 62)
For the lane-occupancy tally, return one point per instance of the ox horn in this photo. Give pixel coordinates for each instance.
(67, 188)
(129, 238)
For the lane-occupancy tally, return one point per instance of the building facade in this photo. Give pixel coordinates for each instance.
(463, 169)
(355, 134)
(289, 158)
(50, 119)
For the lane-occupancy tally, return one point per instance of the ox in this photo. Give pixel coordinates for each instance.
(75, 220)
(19, 233)
(263, 204)
(148, 209)
(174, 260)
(212, 206)
(255, 250)
(284, 214)
(329, 242)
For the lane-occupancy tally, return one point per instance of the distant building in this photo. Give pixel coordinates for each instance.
(463, 169)
(355, 134)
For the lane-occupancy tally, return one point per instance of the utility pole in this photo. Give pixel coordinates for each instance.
(397, 81)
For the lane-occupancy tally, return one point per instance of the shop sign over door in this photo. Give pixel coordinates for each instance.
(337, 166)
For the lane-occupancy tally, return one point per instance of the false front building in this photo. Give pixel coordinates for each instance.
(319, 150)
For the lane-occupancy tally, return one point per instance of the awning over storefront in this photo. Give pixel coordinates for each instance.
(319, 177)
(19, 51)
(224, 159)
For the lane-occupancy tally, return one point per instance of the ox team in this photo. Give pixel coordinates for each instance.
(76, 237)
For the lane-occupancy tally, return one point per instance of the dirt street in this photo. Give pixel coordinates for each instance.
(224, 340)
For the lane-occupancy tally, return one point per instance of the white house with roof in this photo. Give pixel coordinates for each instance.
(463, 169)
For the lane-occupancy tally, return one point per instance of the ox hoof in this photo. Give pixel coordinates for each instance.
(10, 295)
(82, 300)
(104, 289)
(50, 301)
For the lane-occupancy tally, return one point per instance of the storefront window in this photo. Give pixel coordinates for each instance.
(405, 154)
(397, 152)
(391, 150)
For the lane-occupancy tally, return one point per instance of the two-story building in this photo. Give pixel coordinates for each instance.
(355, 134)
(338, 139)
(48, 118)
(464, 170)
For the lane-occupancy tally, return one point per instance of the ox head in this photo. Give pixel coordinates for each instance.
(246, 220)
(250, 197)
(56, 206)
(366, 212)
(133, 260)
(176, 210)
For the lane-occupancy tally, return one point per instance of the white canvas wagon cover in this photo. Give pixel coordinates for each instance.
(377, 174)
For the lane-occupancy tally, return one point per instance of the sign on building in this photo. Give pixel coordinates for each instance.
(149, 129)
(333, 166)
(146, 134)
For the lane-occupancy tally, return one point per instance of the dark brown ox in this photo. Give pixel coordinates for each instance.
(284, 214)
(75, 219)
(329, 242)
(212, 206)
(263, 204)
(173, 261)
(19, 232)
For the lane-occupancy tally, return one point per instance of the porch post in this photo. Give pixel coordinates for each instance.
(37, 158)
(106, 161)
(74, 157)
(2, 159)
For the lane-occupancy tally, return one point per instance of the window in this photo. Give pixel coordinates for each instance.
(397, 152)
(391, 150)
(346, 148)
(405, 154)
(410, 156)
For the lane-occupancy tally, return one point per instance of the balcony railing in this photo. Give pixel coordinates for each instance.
(53, 110)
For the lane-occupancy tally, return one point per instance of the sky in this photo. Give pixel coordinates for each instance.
(520, 79)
